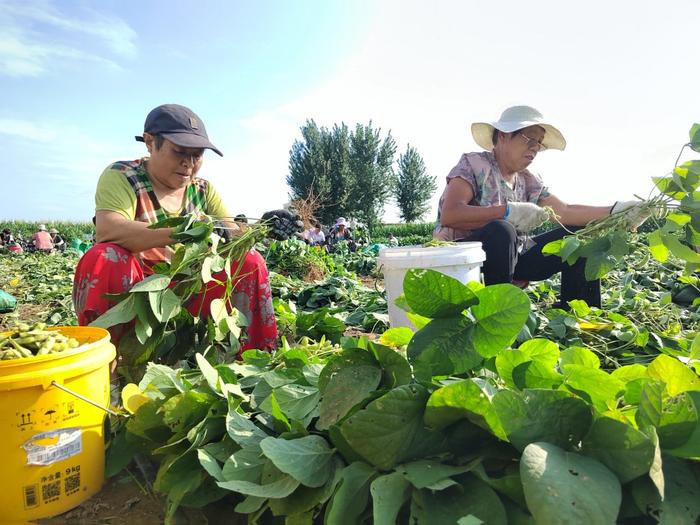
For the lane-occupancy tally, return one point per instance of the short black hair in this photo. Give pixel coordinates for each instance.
(158, 141)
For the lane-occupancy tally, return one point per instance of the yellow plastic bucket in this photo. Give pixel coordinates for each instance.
(52, 444)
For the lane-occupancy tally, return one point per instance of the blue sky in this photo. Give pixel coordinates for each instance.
(78, 78)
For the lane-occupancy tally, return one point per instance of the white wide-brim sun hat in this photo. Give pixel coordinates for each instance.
(513, 119)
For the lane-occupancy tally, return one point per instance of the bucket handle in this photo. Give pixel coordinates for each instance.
(83, 398)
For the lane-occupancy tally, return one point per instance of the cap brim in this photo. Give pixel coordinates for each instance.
(187, 140)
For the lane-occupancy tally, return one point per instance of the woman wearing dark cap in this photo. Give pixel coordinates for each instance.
(131, 195)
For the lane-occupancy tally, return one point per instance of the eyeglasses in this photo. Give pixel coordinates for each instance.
(533, 143)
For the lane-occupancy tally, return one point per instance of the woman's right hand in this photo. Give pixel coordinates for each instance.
(525, 216)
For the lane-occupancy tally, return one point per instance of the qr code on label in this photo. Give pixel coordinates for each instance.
(51, 491)
(72, 483)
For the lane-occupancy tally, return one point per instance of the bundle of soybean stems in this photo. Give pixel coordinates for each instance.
(656, 207)
(230, 251)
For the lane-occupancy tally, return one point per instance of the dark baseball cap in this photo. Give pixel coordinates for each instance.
(180, 125)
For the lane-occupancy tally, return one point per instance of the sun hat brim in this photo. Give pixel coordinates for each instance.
(483, 133)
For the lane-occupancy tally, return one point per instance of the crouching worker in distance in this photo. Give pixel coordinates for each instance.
(491, 197)
(131, 195)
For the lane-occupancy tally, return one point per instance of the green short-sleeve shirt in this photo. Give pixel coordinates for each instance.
(114, 193)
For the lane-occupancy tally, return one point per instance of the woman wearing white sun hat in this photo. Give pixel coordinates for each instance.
(491, 197)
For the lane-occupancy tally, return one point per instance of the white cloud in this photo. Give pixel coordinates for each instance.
(29, 49)
(114, 31)
(26, 129)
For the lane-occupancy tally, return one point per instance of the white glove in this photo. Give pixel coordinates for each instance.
(633, 212)
(525, 216)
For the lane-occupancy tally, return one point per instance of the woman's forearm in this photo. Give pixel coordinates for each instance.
(580, 215)
(466, 217)
(132, 235)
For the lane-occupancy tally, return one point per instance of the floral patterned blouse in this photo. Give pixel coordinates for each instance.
(481, 171)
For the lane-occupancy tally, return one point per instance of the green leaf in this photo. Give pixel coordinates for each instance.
(279, 488)
(425, 473)
(691, 448)
(209, 373)
(472, 496)
(250, 505)
(462, 400)
(625, 450)
(210, 464)
(553, 247)
(120, 313)
(500, 314)
(433, 294)
(348, 387)
(306, 459)
(349, 501)
(395, 369)
(694, 135)
(206, 270)
(350, 356)
(542, 415)
(295, 401)
(164, 304)
(382, 432)
(681, 499)
(152, 283)
(244, 465)
(540, 350)
(396, 337)
(677, 376)
(242, 430)
(577, 355)
(218, 310)
(443, 347)
(389, 493)
(629, 372)
(304, 499)
(563, 487)
(679, 249)
(417, 320)
(183, 411)
(679, 419)
(535, 374)
(599, 386)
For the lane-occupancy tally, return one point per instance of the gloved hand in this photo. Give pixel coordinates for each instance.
(635, 214)
(525, 216)
(282, 224)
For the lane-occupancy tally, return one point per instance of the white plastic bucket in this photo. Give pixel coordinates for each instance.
(463, 262)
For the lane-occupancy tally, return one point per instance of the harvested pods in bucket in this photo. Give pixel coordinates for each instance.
(33, 340)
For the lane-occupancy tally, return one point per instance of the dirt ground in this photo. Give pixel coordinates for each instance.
(122, 502)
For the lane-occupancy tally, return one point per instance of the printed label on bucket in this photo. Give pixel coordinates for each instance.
(50, 447)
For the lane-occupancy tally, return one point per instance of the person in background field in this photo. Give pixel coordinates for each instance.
(6, 237)
(491, 197)
(131, 195)
(315, 235)
(58, 242)
(42, 240)
(393, 241)
(340, 232)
